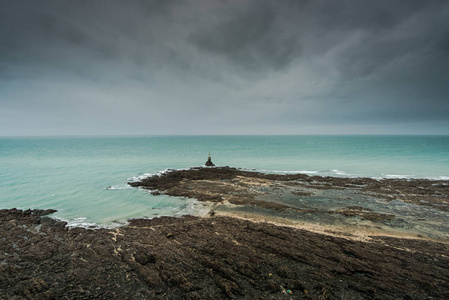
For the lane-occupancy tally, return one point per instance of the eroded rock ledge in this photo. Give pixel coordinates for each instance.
(347, 206)
(209, 258)
(242, 187)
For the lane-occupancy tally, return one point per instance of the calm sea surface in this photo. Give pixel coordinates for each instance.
(85, 178)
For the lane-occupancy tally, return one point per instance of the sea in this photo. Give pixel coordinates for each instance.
(85, 178)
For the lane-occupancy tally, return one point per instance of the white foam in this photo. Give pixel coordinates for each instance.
(119, 187)
(83, 222)
(280, 171)
(80, 222)
(139, 177)
(296, 172)
(158, 173)
(338, 172)
(394, 176)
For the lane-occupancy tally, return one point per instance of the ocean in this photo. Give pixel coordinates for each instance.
(85, 178)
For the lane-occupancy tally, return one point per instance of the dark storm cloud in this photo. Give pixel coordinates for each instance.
(251, 37)
(273, 33)
(157, 67)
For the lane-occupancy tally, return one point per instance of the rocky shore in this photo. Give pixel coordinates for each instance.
(232, 184)
(209, 258)
(261, 252)
(417, 208)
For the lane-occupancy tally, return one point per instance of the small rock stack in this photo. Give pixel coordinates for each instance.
(209, 162)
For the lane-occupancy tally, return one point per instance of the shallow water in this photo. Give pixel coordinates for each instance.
(408, 217)
(85, 178)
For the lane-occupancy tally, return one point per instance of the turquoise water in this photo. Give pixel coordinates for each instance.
(72, 175)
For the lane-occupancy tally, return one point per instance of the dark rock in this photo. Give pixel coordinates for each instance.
(191, 183)
(144, 258)
(42, 212)
(211, 258)
(209, 162)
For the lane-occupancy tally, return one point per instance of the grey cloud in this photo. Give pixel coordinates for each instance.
(233, 65)
(263, 33)
(251, 38)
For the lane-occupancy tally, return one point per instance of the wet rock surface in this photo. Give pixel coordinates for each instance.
(415, 206)
(210, 258)
(221, 183)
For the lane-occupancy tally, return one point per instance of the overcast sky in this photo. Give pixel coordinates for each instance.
(223, 67)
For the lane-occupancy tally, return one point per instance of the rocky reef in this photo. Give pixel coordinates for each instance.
(209, 258)
(417, 208)
(217, 184)
(261, 252)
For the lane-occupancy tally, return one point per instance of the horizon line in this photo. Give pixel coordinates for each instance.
(205, 135)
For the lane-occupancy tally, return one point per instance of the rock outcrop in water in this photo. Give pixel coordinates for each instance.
(419, 207)
(209, 162)
(218, 184)
(209, 258)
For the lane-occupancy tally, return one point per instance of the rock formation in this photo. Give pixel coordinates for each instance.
(209, 162)
(209, 258)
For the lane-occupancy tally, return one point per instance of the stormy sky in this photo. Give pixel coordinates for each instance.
(144, 67)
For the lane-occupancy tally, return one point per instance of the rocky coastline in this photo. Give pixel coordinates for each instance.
(210, 258)
(222, 257)
(417, 208)
(434, 193)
